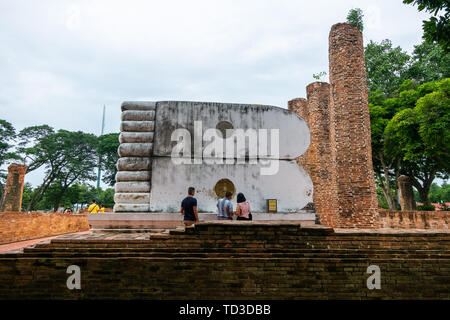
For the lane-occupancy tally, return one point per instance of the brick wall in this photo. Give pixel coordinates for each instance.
(236, 261)
(17, 226)
(413, 219)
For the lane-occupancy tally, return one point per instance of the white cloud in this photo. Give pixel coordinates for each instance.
(61, 61)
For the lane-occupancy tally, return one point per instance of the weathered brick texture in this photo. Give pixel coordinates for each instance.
(319, 154)
(350, 136)
(12, 196)
(300, 106)
(413, 219)
(407, 201)
(16, 226)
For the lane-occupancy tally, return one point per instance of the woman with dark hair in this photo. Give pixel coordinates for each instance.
(243, 208)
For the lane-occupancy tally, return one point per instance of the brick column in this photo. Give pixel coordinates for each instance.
(319, 151)
(353, 178)
(300, 106)
(407, 201)
(12, 197)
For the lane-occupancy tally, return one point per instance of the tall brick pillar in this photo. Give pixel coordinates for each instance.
(319, 151)
(353, 178)
(407, 201)
(12, 196)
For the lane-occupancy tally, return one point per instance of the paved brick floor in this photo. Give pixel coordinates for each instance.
(18, 246)
(147, 234)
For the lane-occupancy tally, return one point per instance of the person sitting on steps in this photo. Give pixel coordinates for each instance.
(243, 208)
(225, 207)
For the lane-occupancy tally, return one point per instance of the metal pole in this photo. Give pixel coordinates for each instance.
(99, 172)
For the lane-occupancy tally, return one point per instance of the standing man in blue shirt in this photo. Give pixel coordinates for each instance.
(189, 208)
(225, 207)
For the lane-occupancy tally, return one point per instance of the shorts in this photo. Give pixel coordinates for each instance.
(188, 223)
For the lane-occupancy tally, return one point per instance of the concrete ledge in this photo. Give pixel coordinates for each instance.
(132, 198)
(138, 105)
(298, 216)
(170, 220)
(137, 126)
(131, 207)
(135, 149)
(134, 164)
(138, 115)
(133, 187)
(124, 176)
(133, 137)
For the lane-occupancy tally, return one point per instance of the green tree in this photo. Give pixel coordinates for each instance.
(386, 67)
(437, 28)
(89, 193)
(107, 149)
(28, 146)
(7, 135)
(439, 194)
(107, 197)
(383, 164)
(67, 157)
(355, 18)
(429, 62)
(27, 194)
(420, 138)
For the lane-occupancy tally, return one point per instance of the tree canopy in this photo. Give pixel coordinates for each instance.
(437, 28)
(107, 148)
(386, 66)
(66, 156)
(7, 135)
(415, 140)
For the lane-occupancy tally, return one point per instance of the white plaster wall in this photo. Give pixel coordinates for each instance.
(294, 135)
(291, 186)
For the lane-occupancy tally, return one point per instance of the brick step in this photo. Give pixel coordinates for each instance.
(442, 245)
(328, 237)
(324, 255)
(233, 250)
(131, 230)
(237, 238)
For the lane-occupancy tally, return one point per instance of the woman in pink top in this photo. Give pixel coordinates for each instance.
(243, 208)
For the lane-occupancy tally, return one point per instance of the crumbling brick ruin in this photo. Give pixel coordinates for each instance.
(12, 196)
(339, 159)
(407, 201)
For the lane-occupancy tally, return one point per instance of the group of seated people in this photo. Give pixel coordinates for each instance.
(224, 208)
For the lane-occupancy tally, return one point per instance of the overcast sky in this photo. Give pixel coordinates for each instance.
(61, 61)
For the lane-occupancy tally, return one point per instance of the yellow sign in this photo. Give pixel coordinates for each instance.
(272, 205)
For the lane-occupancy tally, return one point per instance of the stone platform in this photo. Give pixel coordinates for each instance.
(171, 220)
(234, 260)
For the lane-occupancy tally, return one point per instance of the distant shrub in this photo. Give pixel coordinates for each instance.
(426, 207)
